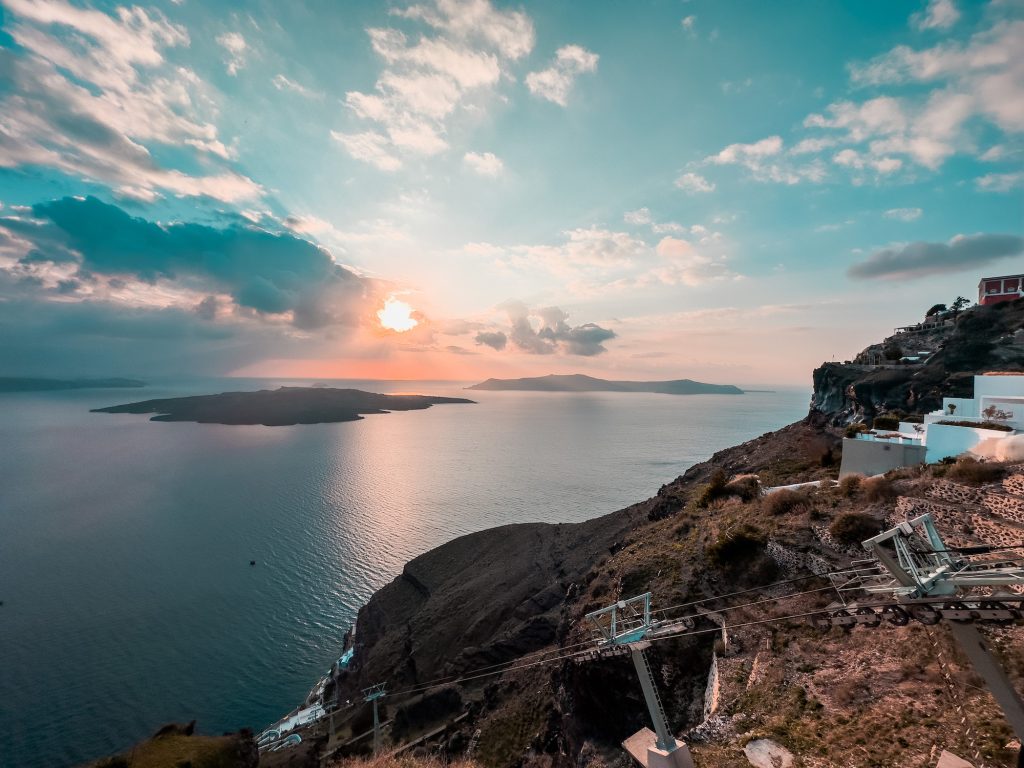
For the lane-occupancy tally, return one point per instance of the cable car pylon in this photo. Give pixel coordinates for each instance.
(621, 627)
(374, 694)
(918, 565)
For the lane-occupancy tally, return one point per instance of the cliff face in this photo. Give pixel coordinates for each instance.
(981, 339)
(481, 599)
(502, 594)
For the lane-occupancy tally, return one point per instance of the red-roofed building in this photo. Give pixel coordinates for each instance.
(992, 290)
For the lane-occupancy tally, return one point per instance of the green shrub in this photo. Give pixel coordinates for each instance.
(852, 430)
(886, 422)
(853, 527)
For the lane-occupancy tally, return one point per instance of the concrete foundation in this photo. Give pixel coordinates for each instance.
(643, 747)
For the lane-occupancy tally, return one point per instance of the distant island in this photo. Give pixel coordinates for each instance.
(579, 383)
(27, 384)
(279, 407)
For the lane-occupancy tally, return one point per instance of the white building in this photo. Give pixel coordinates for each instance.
(998, 400)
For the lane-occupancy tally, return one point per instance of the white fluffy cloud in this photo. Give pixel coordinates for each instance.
(903, 214)
(765, 162)
(283, 83)
(694, 182)
(555, 82)
(939, 14)
(428, 78)
(369, 147)
(484, 163)
(235, 51)
(958, 86)
(93, 91)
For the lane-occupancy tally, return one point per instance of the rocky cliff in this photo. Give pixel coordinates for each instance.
(982, 338)
(521, 593)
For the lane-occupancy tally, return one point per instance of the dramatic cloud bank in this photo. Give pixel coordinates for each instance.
(921, 259)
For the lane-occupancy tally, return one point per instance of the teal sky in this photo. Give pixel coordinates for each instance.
(729, 191)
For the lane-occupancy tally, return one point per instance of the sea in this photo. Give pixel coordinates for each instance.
(128, 598)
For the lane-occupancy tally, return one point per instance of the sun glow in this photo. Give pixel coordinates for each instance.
(396, 315)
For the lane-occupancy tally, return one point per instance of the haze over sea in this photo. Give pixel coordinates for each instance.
(128, 598)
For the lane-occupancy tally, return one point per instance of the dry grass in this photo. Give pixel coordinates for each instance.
(970, 470)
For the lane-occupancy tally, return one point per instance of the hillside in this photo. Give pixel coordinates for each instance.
(858, 697)
(579, 383)
(980, 339)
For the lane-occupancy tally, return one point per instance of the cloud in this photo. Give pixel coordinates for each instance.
(688, 23)
(685, 264)
(426, 81)
(694, 182)
(761, 158)
(554, 83)
(370, 147)
(485, 164)
(940, 14)
(236, 50)
(90, 94)
(1000, 182)
(267, 273)
(283, 83)
(554, 333)
(921, 259)
(851, 158)
(639, 216)
(493, 339)
(903, 214)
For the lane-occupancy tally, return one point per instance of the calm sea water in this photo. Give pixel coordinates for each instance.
(128, 598)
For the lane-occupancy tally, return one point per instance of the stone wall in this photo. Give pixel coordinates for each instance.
(1014, 484)
(792, 560)
(713, 688)
(958, 494)
(1005, 505)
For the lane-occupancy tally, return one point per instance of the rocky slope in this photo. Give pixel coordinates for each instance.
(836, 698)
(982, 338)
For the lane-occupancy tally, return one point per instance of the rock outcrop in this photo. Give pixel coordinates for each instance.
(983, 338)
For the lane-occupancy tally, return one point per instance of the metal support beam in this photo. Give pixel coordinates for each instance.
(666, 740)
(986, 665)
(374, 694)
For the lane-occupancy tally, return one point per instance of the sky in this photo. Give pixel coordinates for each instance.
(455, 189)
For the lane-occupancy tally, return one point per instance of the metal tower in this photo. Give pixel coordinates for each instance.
(373, 694)
(918, 565)
(626, 625)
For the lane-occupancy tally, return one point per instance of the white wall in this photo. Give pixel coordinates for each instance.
(869, 457)
(945, 441)
(998, 386)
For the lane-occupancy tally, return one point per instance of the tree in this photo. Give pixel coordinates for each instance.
(935, 310)
(997, 414)
(959, 305)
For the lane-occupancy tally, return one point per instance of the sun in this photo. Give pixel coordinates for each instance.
(396, 315)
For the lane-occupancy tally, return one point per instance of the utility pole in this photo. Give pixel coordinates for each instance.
(917, 565)
(623, 626)
(374, 694)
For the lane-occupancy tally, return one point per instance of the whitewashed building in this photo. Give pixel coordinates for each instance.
(997, 410)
